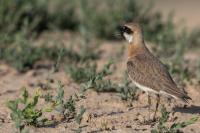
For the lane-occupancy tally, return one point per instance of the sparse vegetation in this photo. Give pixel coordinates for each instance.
(32, 17)
(90, 22)
(25, 110)
(65, 108)
(175, 127)
(97, 81)
(91, 79)
(81, 73)
(87, 71)
(28, 114)
(22, 54)
(127, 91)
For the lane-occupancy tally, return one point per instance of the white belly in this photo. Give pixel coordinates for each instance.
(144, 88)
(147, 89)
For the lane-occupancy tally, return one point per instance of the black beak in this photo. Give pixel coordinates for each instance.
(121, 29)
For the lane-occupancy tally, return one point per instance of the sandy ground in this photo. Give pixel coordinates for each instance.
(104, 110)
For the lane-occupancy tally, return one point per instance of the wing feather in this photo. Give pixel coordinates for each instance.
(147, 70)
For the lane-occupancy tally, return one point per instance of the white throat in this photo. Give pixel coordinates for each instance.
(128, 37)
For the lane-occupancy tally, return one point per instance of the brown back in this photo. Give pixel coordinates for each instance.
(147, 70)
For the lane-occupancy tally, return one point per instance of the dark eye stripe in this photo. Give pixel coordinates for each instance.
(127, 30)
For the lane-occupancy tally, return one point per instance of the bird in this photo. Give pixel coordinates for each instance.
(145, 70)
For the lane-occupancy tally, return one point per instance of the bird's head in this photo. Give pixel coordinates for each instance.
(132, 32)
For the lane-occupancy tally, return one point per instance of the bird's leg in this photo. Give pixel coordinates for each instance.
(149, 102)
(157, 104)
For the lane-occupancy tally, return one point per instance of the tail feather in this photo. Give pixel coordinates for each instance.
(179, 93)
(186, 98)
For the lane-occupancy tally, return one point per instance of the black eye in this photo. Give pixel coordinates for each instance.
(127, 30)
(124, 28)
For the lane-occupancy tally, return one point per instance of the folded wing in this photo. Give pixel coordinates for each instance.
(148, 71)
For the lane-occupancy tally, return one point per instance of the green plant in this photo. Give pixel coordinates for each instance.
(99, 84)
(126, 91)
(104, 24)
(193, 38)
(24, 111)
(85, 72)
(177, 126)
(20, 52)
(48, 97)
(65, 108)
(174, 128)
(96, 80)
(37, 15)
(81, 74)
(78, 119)
(85, 15)
(20, 20)
(82, 55)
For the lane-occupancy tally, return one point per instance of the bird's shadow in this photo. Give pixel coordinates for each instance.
(190, 110)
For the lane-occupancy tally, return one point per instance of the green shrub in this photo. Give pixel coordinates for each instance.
(29, 114)
(82, 73)
(38, 15)
(175, 127)
(21, 53)
(92, 18)
(25, 110)
(98, 18)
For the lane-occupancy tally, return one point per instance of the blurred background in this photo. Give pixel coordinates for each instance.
(184, 10)
(25, 21)
(77, 42)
